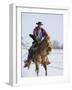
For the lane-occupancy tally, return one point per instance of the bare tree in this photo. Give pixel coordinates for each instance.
(56, 45)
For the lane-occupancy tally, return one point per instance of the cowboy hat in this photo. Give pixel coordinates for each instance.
(39, 23)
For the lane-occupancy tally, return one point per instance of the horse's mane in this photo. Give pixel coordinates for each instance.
(43, 47)
(44, 43)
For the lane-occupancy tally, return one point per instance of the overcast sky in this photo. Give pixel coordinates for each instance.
(52, 23)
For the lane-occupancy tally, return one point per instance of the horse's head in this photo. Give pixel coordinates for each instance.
(45, 45)
(47, 39)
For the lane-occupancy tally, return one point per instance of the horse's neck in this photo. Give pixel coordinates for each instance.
(43, 44)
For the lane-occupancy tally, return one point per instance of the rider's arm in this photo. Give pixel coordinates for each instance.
(34, 32)
(44, 32)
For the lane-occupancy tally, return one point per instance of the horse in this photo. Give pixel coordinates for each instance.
(40, 55)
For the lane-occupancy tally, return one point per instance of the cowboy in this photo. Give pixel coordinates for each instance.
(38, 34)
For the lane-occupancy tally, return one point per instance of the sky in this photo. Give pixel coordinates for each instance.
(52, 23)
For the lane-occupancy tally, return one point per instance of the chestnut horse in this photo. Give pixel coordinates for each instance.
(40, 55)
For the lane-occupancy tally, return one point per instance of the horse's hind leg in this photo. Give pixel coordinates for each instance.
(45, 67)
(37, 69)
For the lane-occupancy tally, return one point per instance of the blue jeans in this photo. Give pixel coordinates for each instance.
(30, 54)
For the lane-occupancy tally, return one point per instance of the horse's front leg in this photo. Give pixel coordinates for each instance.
(37, 69)
(45, 67)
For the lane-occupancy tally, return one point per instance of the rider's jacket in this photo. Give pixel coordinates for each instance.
(39, 32)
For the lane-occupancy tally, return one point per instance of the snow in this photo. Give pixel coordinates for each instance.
(54, 69)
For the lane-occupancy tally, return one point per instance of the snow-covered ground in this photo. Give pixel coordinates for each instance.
(54, 69)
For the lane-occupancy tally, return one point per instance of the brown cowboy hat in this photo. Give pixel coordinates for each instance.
(39, 23)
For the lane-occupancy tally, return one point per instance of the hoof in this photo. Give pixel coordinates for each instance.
(48, 62)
